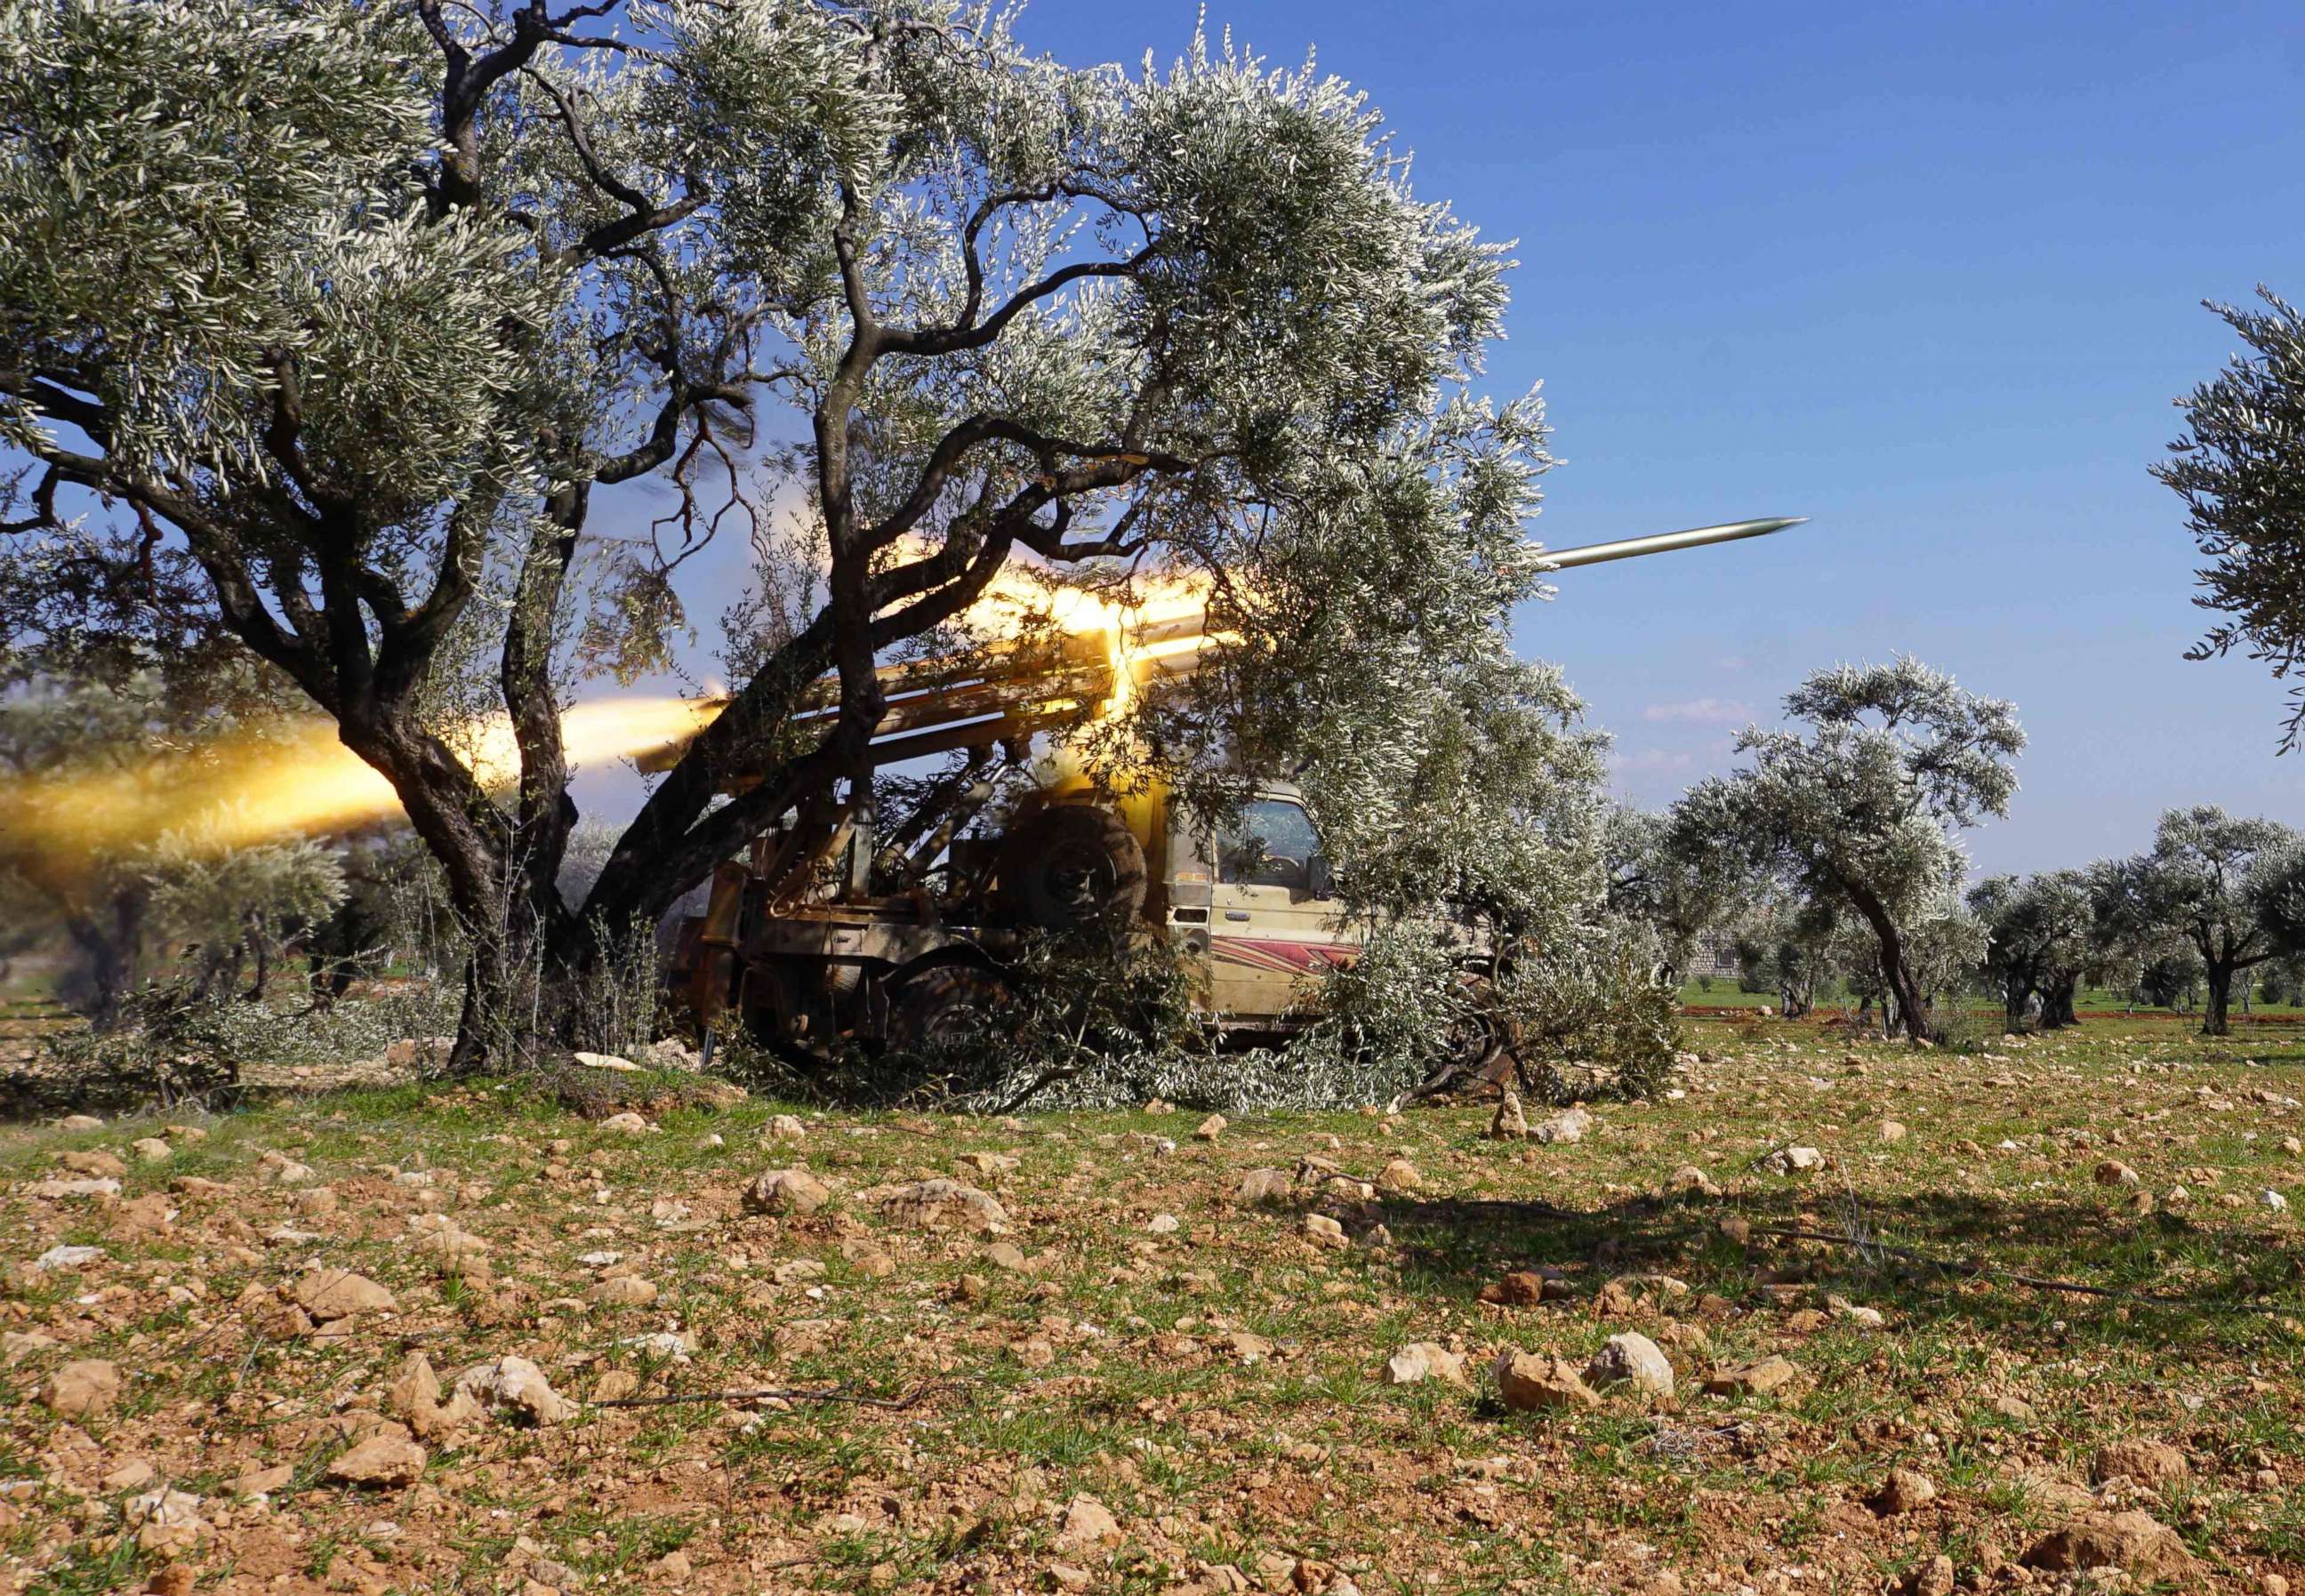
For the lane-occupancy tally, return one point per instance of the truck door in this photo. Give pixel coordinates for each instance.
(1267, 930)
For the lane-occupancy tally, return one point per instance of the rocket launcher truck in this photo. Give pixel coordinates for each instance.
(825, 932)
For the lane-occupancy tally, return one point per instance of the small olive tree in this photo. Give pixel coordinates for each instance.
(1863, 807)
(1678, 893)
(2040, 930)
(2228, 886)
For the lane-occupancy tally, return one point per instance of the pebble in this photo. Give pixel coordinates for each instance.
(1905, 1491)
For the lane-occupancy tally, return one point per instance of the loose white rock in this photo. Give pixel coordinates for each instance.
(607, 1061)
(62, 1257)
(1631, 1358)
(1569, 1125)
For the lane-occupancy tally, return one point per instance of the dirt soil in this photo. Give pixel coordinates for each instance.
(367, 1340)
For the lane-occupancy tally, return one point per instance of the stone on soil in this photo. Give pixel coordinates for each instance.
(1265, 1185)
(84, 1389)
(1530, 1381)
(514, 1383)
(1425, 1360)
(2144, 1461)
(329, 1293)
(1905, 1491)
(1757, 1379)
(1567, 1126)
(785, 1191)
(388, 1457)
(2133, 1542)
(1631, 1358)
(1087, 1524)
(936, 1204)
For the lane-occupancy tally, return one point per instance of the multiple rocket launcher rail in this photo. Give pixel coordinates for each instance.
(1009, 692)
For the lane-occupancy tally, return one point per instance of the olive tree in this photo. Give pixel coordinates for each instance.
(2040, 930)
(1679, 892)
(422, 343)
(1863, 807)
(227, 907)
(2240, 467)
(1793, 946)
(2224, 884)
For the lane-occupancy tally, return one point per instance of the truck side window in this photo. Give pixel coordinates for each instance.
(1271, 845)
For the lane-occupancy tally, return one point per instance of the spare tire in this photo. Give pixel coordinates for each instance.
(1072, 865)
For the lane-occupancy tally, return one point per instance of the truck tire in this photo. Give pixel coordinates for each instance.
(945, 1002)
(1072, 865)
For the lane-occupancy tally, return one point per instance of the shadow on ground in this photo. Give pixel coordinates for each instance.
(2221, 1271)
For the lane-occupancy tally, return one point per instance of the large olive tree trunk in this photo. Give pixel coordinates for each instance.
(2215, 1020)
(2057, 1001)
(1906, 1008)
(111, 938)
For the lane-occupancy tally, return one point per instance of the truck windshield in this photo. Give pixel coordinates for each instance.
(1271, 845)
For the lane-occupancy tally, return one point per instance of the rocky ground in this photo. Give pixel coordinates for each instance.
(1766, 1333)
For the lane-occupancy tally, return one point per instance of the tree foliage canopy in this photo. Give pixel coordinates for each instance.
(2223, 883)
(2240, 468)
(326, 325)
(2040, 936)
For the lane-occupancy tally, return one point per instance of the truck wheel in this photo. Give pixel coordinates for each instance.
(1072, 865)
(945, 1004)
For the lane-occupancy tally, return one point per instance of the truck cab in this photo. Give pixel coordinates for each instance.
(1253, 905)
(1257, 903)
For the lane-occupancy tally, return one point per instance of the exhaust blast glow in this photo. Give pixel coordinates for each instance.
(296, 779)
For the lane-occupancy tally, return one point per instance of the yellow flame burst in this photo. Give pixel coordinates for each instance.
(1019, 601)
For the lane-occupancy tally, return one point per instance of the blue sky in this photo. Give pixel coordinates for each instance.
(1929, 275)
